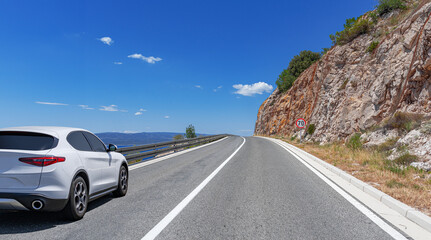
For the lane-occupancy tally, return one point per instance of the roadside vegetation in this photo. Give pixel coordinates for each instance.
(394, 177)
(386, 6)
(297, 65)
(373, 46)
(178, 137)
(190, 132)
(353, 28)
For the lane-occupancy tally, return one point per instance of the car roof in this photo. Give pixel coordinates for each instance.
(50, 130)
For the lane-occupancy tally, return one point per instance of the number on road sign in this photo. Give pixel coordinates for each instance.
(301, 123)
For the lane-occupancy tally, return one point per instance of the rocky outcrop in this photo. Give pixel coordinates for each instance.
(351, 89)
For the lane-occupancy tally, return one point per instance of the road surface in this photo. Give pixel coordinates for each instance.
(262, 192)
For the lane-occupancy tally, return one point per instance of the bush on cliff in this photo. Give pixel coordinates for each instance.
(301, 62)
(285, 81)
(311, 128)
(297, 65)
(386, 6)
(373, 46)
(352, 29)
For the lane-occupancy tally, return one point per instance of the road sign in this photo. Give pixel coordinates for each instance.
(301, 123)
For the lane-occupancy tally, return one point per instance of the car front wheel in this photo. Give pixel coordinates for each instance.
(123, 182)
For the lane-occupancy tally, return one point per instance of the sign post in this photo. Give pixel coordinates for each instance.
(300, 123)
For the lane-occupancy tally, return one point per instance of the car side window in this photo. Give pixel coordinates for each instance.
(78, 141)
(95, 143)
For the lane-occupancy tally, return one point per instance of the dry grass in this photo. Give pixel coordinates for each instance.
(407, 184)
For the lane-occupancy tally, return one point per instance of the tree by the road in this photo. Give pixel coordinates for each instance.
(190, 131)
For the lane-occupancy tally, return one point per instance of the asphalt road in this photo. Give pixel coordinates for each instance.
(263, 192)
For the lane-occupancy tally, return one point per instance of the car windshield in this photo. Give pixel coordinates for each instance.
(25, 141)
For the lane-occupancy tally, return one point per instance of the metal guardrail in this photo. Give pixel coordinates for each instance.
(150, 150)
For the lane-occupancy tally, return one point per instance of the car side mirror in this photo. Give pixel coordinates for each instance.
(112, 148)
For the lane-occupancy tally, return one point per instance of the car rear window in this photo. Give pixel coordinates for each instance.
(26, 141)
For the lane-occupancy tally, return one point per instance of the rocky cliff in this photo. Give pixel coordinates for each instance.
(351, 89)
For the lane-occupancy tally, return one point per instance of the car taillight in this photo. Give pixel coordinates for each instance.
(42, 161)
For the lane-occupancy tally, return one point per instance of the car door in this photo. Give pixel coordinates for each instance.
(108, 169)
(89, 159)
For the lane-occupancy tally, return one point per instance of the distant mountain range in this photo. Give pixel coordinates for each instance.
(122, 139)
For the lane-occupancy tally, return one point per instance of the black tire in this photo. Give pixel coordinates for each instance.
(123, 182)
(76, 207)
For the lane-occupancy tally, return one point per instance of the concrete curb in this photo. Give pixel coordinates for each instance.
(410, 213)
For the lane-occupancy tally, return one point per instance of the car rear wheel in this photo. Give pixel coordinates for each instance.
(78, 200)
(123, 182)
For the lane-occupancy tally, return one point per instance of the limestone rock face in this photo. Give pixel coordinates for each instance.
(350, 89)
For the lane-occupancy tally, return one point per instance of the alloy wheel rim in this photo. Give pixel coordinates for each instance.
(80, 197)
(123, 179)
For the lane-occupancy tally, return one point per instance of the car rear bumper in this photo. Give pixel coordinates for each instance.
(23, 201)
(11, 204)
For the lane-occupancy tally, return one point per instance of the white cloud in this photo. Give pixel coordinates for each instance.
(166, 117)
(140, 111)
(118, 63)
(111, 108)
(86, 107)
(218, 88)
(198, 86)
(255, 88)
(127, 131)
(52, 103)
(106, 40)
(143, 58)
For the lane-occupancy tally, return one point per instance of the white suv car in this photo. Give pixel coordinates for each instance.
(57, 169)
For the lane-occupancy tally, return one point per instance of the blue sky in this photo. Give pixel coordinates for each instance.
(134, 66)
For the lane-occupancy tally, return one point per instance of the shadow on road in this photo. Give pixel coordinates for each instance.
(29, 221)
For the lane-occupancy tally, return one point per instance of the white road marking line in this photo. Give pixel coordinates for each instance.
(377, 220)
(155, 231)
(149, 162)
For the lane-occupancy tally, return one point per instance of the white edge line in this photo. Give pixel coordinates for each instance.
(149, 162)
(155, 231)
(376, 219)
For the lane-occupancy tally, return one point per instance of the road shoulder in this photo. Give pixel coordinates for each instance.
(366, 194)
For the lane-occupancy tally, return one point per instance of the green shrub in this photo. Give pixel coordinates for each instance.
(396, 169)
(374, 17)
(355, 142)
(301, 62)
(373, 46)
(393, 183)
(324, 51)
(178, 137)
(311, 128)
(285, 81)
(405, 159)
(352, 29)
(386, 6)
(297, 65)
